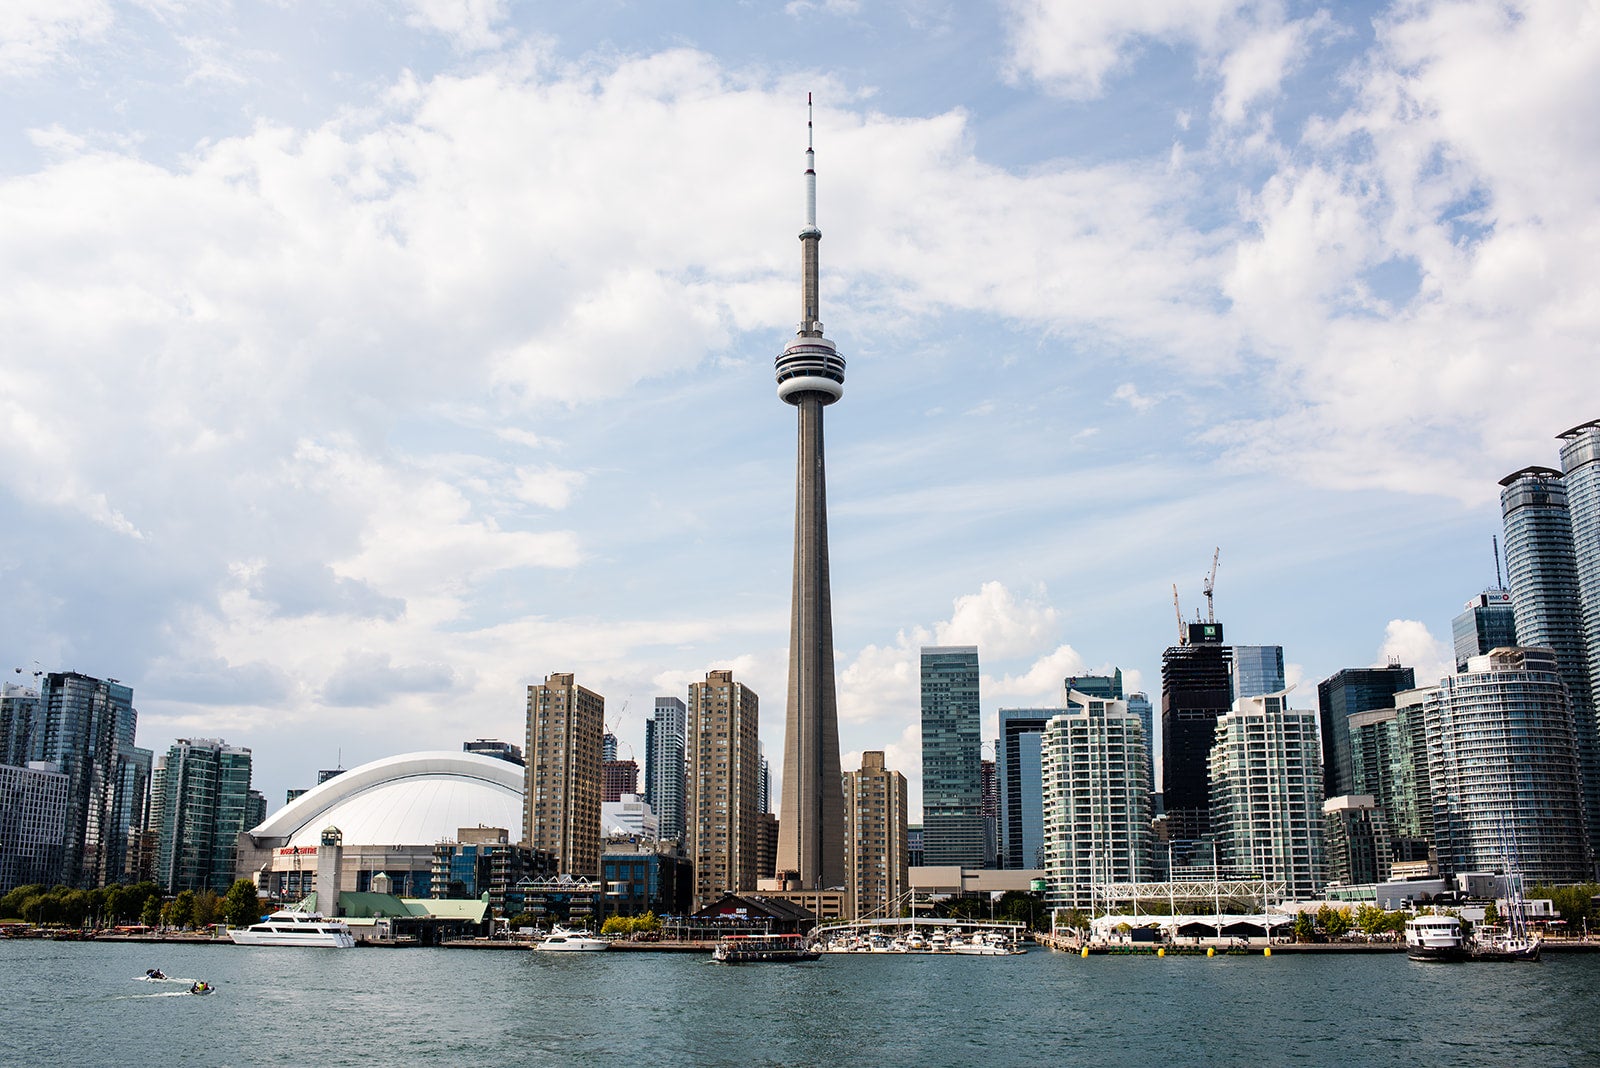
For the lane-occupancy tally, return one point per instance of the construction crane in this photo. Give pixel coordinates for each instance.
(1211, 584)
(1183, 634)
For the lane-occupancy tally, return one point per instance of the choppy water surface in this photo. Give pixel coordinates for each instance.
(79, 1004)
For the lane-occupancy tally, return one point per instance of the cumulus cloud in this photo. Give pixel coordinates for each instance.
(1411, 644)
(1072, 49)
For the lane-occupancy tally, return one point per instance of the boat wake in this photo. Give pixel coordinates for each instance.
(158, 994)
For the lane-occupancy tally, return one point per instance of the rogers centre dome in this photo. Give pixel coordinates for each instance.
(391, 814)
(411, 799)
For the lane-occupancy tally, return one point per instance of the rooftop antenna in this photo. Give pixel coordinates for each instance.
(1211, 584)
(1183, 635)
(1498, 583)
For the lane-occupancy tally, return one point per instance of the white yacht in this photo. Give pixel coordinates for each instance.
(1435, 938)
(290, 928)
(562, 939)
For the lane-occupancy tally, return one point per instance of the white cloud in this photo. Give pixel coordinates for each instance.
(470, 25)
(1129, 394)
(34, 34)
(1073, 48)
(1409, 642)
(798, 8)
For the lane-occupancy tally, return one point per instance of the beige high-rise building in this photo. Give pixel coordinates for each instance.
(721, 793)
(561, 783)
(876, 855)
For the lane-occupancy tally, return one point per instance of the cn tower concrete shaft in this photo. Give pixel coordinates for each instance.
(811, 819)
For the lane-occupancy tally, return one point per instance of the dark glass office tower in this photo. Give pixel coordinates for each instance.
(1018, 762)
(87, 726)
(1489, 622)
(1343, 695)
(1196, 689)
(952, 785)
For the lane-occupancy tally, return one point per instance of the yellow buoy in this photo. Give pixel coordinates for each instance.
(1084, 952)
(1267, 952)
(1162, 951)
(1211, 951)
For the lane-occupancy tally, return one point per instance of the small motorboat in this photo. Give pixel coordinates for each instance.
(201, 988)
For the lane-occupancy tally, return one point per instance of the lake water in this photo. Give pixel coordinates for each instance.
(77, 1004)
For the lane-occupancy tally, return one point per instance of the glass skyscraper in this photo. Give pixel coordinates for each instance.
(1097, 824)
(1343, 695)
(1389, 762)
(206, 805)
(1257, 669)
(665, 733)
(952, 784)
(1196, 690)
(1542, 569)
(86, 726)
(1266, 802)
(1489, 623)
(1503, 769)
(1017, 761)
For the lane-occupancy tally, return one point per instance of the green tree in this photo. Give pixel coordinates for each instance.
(241, 907)
(1371, 920)
(1491, 913)
(179, 912)
(150, 915)
(207, 908)
(1337, 922)
(14, 905)
(1305, 928)
(617, 926)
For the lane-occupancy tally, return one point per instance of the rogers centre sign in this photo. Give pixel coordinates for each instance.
(302, 851)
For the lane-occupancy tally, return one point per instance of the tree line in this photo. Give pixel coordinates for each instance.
(127, 904)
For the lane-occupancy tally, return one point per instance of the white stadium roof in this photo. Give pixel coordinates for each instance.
(411, 799)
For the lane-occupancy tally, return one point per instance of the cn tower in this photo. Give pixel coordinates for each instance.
(811, 376)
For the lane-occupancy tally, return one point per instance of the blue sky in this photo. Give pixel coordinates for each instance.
(364, 363)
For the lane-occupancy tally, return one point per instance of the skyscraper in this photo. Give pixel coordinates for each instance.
(989, 809)
(86, 727)
(1389, 763)
(875, 838)
(722, 785)
(618, 777)
(33, 818)
(1139, 705)
(206, 805)
(1341, 696)
(1355, 840)
(1257, 669)
(810, 375)
(1096, 815)
(1542, 570)
(665, 734)
(1266, 795)
(1196, 690)
(19, 719)
(1488, 622)
(561, 781)
(952, 784)
(1021, 773)
(1503, 769)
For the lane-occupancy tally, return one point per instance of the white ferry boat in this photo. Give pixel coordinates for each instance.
(1435, 938)
(290, 928)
